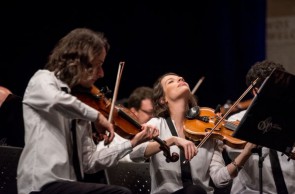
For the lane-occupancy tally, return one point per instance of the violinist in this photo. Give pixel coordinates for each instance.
(191, 174)
(59, 147)
(247, 180)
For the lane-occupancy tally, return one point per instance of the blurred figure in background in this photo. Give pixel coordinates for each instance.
(140, 103)
(11, 119)
(247, 180)
(4, 92)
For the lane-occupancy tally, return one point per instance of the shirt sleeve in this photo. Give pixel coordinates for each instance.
(137, 155)
(100, 156)
(44, 94)
(218, 171)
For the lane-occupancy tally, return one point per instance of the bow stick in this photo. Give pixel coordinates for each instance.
(119, 74)
(198, 84)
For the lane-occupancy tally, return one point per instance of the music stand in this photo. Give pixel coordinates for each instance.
(269, 120)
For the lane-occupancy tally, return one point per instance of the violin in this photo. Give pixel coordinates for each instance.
(203, 121)
(200, 128)
(125, 122)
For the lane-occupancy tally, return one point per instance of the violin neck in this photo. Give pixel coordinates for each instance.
(125, 116)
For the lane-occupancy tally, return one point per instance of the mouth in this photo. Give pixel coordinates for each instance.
(182, 84)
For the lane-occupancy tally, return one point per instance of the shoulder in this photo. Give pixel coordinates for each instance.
(161, 124)
(45, 78)
(4, 92)
(157, 121)
(41, 76)
(41, 73)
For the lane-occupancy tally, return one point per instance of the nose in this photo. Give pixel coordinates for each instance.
(99, 72)
(180, 79)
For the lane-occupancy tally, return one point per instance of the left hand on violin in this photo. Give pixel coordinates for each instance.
(147, 133)
(188, 147)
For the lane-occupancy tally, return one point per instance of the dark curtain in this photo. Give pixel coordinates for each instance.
(216, 39)
(238, 32)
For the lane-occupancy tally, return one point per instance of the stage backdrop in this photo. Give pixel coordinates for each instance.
(280, 38)
(216, 39)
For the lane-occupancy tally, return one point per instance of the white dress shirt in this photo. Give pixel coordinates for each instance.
(47, 154)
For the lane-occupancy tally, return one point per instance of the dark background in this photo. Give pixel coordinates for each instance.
(216, 39)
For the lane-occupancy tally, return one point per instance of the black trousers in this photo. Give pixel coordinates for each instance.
(69, 187)
(195, 189)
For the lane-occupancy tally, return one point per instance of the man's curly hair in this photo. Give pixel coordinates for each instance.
(261, 70)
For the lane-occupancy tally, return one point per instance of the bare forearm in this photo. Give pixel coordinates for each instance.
(238, 163)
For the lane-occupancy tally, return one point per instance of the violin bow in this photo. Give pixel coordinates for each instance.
(198, 84)
(229, 110)
(119, 74)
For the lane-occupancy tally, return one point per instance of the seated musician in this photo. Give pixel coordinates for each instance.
(11, 119)
(192, 172)
(248, 180)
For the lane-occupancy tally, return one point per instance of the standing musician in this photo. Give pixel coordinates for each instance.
(59, 146)
(191, 174)
(247, 180)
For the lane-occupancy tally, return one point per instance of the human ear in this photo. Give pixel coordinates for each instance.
(255, 91)
(133, 110)
(162, 100)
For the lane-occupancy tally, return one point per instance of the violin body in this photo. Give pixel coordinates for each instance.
(196, 129)
(125, 122)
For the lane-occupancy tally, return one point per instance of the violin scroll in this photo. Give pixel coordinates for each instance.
(163, 146)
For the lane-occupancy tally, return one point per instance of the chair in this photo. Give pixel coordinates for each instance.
(135, 176)
(9, 157)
